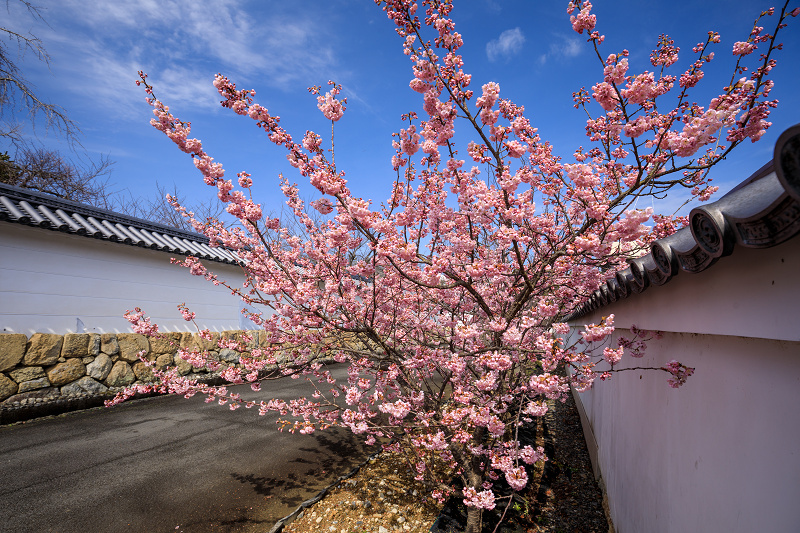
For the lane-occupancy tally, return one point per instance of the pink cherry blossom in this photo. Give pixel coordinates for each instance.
(323, 205)
(599, 332)
(605, 95)
(531, 456)
(743, 48)
(332, 108)
(612, 356)
(679, 372)
(481, 500)
(517, 478)
(615, 70)
(583, 20)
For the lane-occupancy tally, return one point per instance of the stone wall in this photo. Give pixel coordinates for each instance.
(46, 366)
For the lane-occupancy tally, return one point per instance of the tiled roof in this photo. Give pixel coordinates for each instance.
(761, 212)
(32, 208)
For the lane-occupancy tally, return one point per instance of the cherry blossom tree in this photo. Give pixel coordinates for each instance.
(447, 300)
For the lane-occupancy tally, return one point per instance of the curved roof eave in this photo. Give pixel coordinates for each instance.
(761, 212)
(32, 208)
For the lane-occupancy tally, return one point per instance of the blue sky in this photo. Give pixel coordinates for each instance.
(280, 48)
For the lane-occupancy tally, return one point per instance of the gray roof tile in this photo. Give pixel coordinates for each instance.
(761, 212)
(32, 208)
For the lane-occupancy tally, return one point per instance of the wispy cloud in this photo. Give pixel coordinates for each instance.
(493, 5)
(509, 42)
(563, 47)
(182, 45)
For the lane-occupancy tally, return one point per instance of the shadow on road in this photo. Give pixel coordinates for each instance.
(337, 452)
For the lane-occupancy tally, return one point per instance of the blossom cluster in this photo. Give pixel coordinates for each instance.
(679, 372)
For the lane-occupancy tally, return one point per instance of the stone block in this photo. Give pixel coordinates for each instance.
(255, 336)
(121, 375)
(8, 387)
(163, 361)
(229, 356)
(143, 372)
(99, 368)
(66, 372)
(264, 339)
(33, 384)
(75, 345)
(203, 344)
(131, 345)
(94, 344)
(109, 344)
(47, 392)
(166, 343)
(83, 386)
(284, 357)
(42, 349)
(184, 367)
(26, 373)
(186, 339)
(247, 339)
(12, 349)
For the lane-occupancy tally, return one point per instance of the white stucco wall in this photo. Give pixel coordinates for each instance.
(752, 293)
(722, 453)
(50, 281)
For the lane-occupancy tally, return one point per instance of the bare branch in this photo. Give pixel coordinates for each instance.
(47, 171)
(17, 94)
(157, 209)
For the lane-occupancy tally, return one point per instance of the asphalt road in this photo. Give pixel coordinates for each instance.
(165, 464)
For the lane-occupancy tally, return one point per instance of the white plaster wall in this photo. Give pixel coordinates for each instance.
(752, 293)
(722, 453)
(49, 281)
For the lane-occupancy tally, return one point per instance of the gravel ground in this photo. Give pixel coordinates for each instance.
(568, 499)
(382, 497)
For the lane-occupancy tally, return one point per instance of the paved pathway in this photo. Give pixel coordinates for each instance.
(165, 464)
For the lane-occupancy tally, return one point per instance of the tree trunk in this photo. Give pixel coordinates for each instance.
(474, 520)
(475, 479)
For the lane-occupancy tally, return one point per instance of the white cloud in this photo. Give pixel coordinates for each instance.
(561, 48)
(181, 45)
(568, 47)
(509, 42)
(220, 29)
